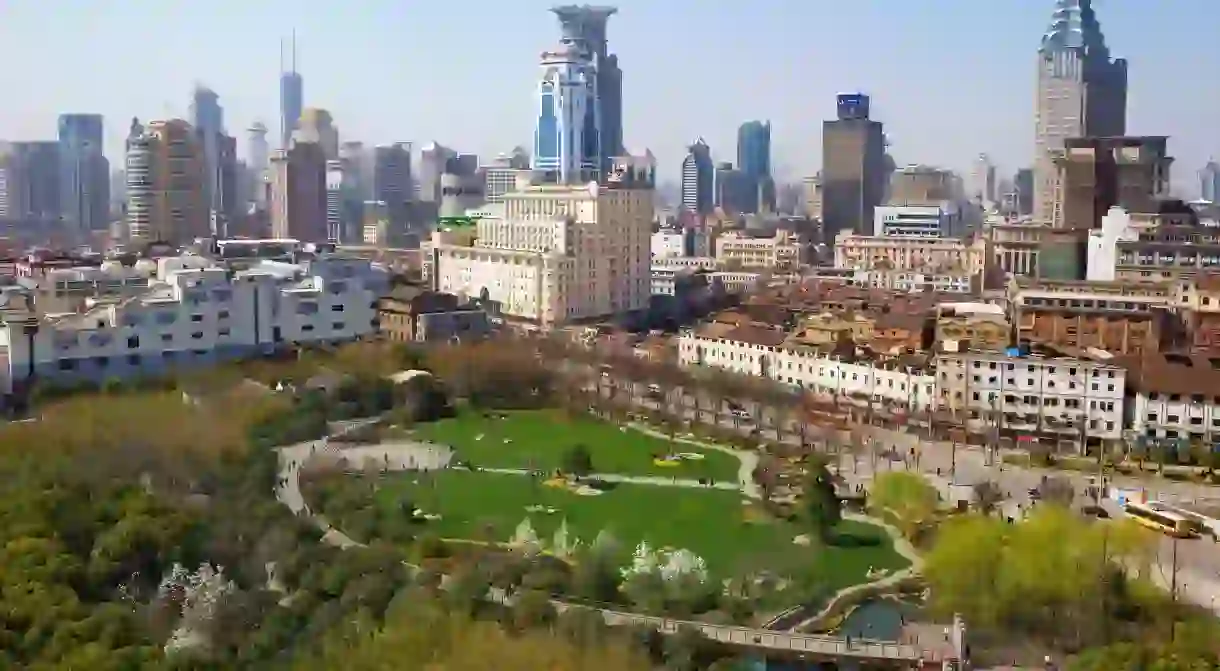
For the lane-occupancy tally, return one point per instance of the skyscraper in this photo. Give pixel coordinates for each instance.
(566, 149)
(1209, 182)
(392, 179)
(854, 168)
(292, 96)
(983, 187)
(603, 133)
(432, 161)
(258, 157)
(207, 117)
(754, 161)
(170, 197)
(698, 178)
(84, 180)
(139, 168)
(32, 174)
(298, 193)
(1082, 92)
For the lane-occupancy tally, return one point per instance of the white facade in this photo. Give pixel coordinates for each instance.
(197, 313)
(912, 282)
(918, 221)
(1102, 256)
(694, 262)
(1163, 415)
(1032, 393)
(669, 243)
(560, 253)
(810, 370)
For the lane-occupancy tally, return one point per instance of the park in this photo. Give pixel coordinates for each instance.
(510, 480)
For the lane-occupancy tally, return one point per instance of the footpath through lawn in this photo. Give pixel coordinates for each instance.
(538, 440)
(713, 524)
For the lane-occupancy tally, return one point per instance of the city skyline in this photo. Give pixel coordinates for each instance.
(349, 60)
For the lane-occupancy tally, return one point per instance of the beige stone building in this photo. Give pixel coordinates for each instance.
(782, 251)
(867, 252)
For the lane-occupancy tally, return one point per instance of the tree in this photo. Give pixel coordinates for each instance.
(766, 476)
(425, 636)
(988, 496)
(907, 496)
(578, 460)
(819, 500)
(684, 648)
(1057, 491)
(1055, 577)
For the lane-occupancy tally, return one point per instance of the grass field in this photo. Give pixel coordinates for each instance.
(538, 440)
(488, 506)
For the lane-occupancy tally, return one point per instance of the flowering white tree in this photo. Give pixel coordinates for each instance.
(197, 594)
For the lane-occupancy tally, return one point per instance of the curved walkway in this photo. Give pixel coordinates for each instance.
(901, 545)
(747, 459)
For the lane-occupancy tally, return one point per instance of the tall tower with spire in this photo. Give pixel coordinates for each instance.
(292, 94)
(1082, 92)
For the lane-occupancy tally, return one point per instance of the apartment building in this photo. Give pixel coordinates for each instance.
(1197, 301)
(1057, 400)
(761, 352)
(1174, 396)
(194, 313)
(944, 255)
(1111, 316)
(781, 251)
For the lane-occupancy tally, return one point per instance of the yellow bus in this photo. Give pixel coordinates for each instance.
(1157, 518)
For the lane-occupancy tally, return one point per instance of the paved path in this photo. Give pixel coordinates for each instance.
(654, 480)
(748, 460)
(795, 619)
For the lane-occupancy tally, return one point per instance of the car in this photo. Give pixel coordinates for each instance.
(1095, 511)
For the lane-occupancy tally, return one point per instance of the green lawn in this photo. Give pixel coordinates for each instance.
(539, 439)
(711, 523)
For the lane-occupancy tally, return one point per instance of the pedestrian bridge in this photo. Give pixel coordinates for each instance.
(779, 643)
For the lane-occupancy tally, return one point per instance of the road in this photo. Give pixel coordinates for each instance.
(1196, 562)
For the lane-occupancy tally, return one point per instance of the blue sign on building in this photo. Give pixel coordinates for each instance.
(853, 106)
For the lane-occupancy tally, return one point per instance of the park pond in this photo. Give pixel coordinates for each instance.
(880, 618)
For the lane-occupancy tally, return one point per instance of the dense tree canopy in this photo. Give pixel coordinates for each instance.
(1055, 578)
(906, 497)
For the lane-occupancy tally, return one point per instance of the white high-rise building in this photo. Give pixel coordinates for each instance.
(560, 253)
(983, 188)
(139, 166)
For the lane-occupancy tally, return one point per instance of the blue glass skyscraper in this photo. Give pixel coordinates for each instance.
(563, 150)
(84, 173)
(754, 161)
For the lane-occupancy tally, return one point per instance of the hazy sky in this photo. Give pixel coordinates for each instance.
(950, 78)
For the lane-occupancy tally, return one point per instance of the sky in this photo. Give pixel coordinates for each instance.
(949, 78)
